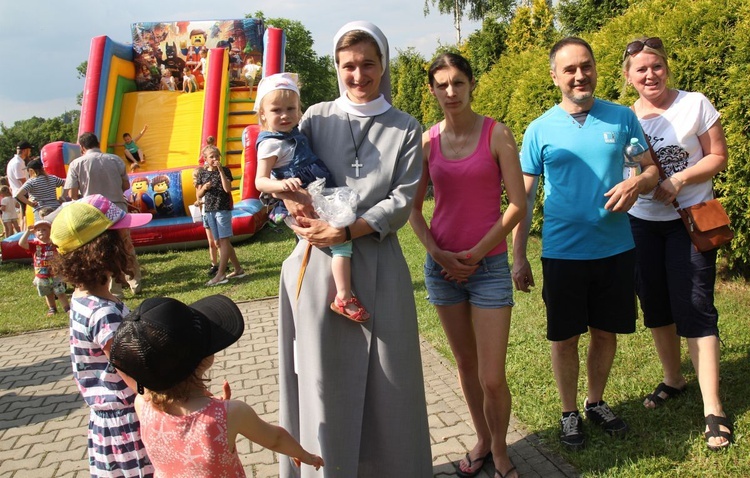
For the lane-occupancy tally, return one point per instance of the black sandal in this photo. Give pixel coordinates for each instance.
(670, 392)
(714, 422)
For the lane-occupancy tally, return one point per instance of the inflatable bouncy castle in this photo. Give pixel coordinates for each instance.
(123, 93)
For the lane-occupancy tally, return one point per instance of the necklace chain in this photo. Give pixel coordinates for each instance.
(456, 152)
(357, 165)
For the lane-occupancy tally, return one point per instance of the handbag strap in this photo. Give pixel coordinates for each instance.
(662, 173)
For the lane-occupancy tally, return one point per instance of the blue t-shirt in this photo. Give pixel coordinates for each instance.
(580, 163)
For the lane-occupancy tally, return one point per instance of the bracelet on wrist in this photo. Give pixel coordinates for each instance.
(348, 233)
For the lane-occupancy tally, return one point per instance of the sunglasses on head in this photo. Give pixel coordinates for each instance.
(637, 46)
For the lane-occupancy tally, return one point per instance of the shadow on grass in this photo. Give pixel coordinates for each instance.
(670, 435)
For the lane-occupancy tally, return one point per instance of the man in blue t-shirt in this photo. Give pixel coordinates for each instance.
(588, 258)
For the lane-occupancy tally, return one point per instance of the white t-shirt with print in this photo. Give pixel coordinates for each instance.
(674, 137)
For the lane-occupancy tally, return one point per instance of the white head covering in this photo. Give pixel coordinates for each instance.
(278, 81)
(381, 104)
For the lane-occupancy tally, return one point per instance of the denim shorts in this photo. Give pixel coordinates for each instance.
(490, 287)
(220, 223)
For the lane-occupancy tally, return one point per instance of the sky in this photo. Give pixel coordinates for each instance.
(43, 41)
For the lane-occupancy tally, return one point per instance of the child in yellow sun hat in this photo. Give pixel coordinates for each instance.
(92, 251)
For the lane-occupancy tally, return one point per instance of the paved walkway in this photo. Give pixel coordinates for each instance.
(43, 419)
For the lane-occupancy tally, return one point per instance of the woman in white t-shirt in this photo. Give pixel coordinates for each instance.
(675, 282)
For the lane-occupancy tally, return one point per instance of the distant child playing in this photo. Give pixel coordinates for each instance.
(133, 153)
(213, 248)
(189, 84)
(167, 347)
(47, 283)
(167, 81)
(92, 251)
(213, 184)
(286, 163)
(40, 191)
(9, 208)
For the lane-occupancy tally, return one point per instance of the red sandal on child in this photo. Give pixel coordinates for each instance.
(339, 306)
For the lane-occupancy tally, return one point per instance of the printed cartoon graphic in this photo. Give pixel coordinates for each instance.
(171, 46)
(162, 198)
(139, 197)
(193, 53)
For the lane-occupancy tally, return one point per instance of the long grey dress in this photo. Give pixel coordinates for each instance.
(357, 396)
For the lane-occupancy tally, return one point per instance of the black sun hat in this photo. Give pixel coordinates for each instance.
(163, 341)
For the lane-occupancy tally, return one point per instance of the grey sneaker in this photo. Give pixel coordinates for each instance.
(571, 434)
(603, 416)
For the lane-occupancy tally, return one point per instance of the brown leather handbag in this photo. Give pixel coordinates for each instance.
(707, 223)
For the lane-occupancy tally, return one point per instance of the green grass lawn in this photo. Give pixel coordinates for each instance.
(663, 442)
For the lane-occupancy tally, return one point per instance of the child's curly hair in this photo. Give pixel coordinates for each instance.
(108, 255)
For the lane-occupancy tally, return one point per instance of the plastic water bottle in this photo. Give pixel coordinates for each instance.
(633, 152)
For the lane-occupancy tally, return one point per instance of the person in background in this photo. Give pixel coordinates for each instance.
(133, 153)
(40, 191)
(675, 282)
(214, 186)
(588, 254)
(213, 249)
(17, 174)
(96, 172)
(47, 283)
(9, 212)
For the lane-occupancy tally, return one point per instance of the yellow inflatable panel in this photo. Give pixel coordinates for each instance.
(174, 122)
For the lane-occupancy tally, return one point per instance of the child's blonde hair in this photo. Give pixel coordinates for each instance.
(4, 191)
(272, 95)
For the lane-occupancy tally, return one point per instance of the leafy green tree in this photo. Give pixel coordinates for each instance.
(81, 69)
(473, 9)
(38, 132)
(409, 80)
(582, 16)
(532, 25)
(316, 73)
(484, 47)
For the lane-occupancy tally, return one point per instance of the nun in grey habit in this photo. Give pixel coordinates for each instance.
(354, 392)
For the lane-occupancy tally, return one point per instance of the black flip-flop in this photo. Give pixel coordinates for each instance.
(504, 475)
(483, 459)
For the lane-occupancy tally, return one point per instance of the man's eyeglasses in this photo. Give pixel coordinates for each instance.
(637, 46)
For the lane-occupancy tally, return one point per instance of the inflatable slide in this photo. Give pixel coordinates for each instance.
(126, 91)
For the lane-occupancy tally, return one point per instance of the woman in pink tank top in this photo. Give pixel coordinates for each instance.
(470, 158)
(167, 347)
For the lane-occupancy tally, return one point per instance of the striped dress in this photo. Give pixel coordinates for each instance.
(114, 442)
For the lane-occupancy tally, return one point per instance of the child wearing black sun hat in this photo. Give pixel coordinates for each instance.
(166, 347)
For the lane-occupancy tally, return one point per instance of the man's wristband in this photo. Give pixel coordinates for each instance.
(348, 233)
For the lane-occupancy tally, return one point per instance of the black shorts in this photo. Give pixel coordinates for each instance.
(675, 282)
(598, 293)
(136, 156)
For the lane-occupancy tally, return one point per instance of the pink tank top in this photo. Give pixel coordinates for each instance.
(190, 446)
(468, 192)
